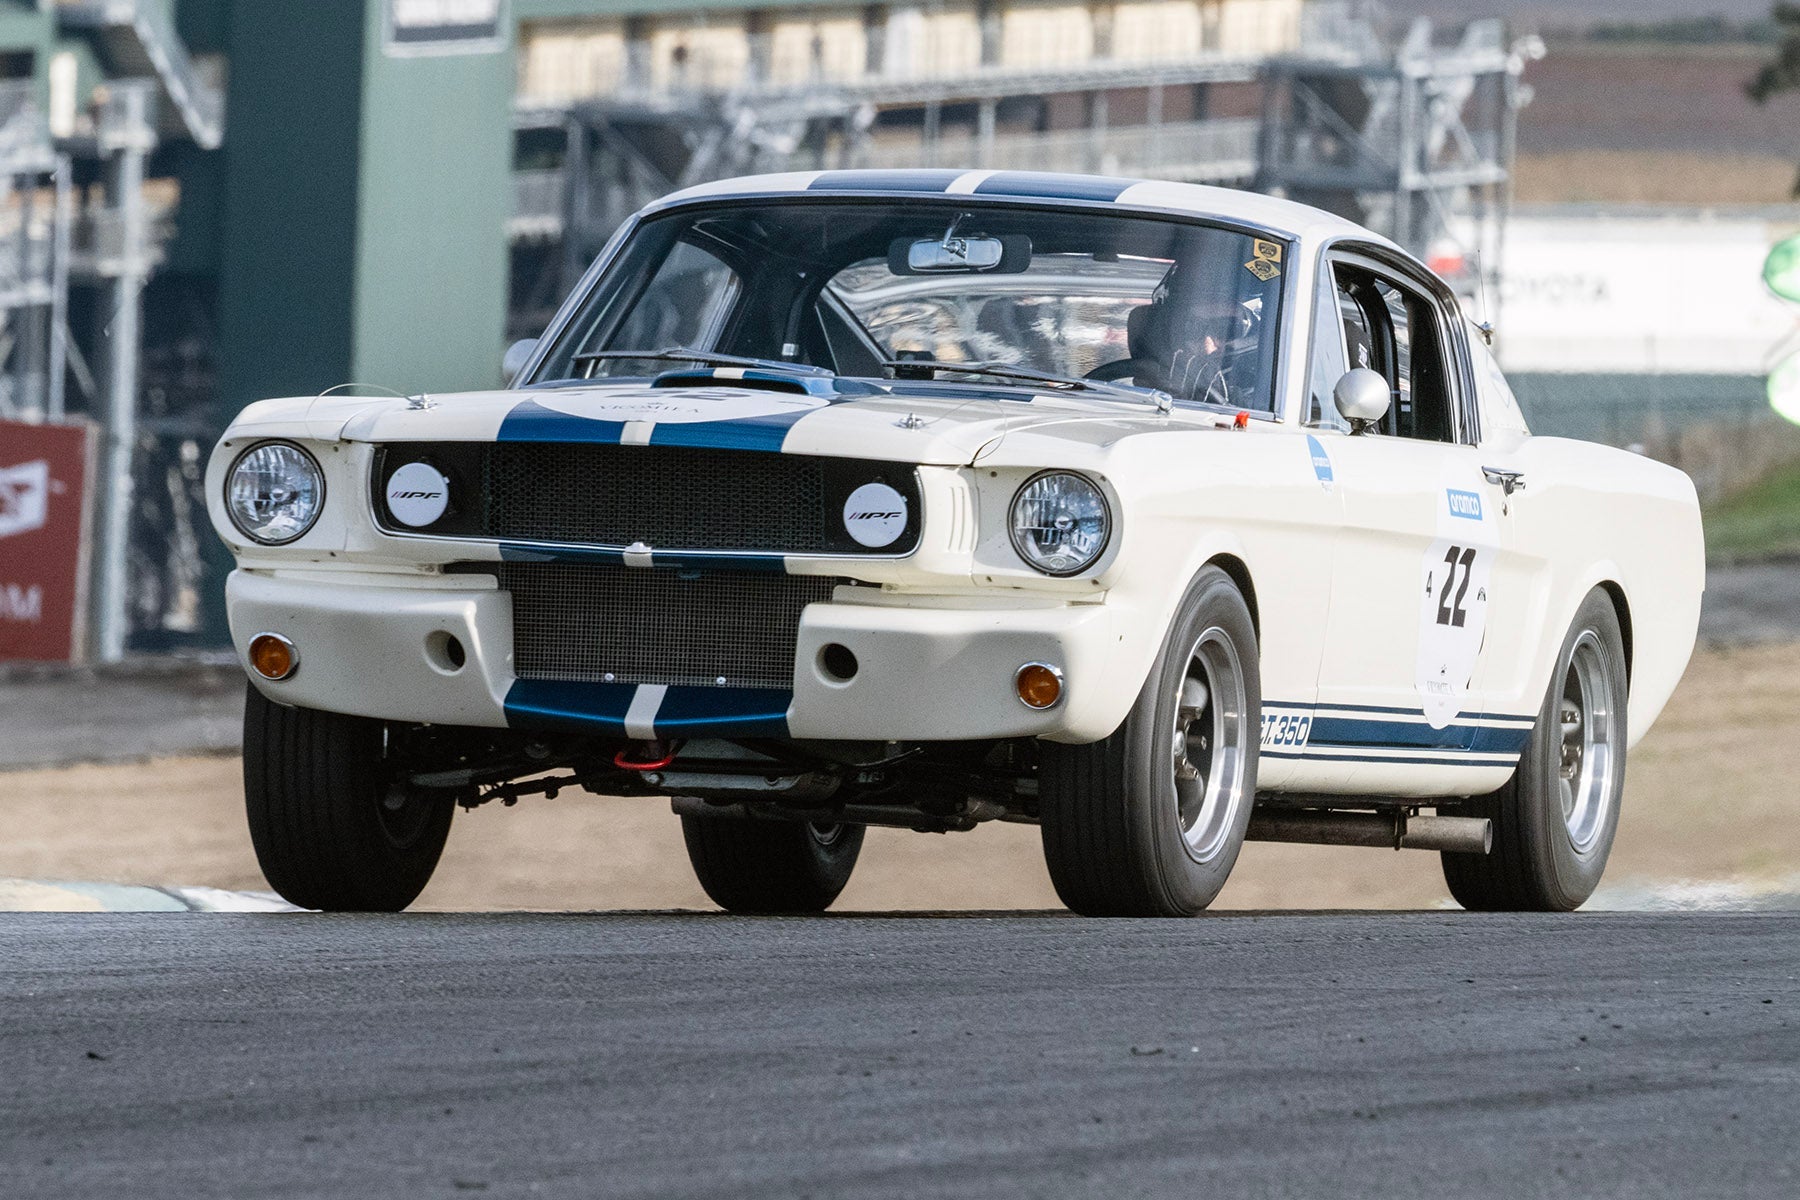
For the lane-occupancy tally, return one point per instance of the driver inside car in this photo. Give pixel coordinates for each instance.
(1193, 338)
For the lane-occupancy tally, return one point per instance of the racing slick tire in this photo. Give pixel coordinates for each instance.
(753, 866)
(1149, 821)
(331, 832)
(1555, 819)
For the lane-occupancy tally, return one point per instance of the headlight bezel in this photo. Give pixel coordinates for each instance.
(312, 463)
(1106, 519)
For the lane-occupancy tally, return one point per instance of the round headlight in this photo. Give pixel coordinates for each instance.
(1060, 523)
(274, 493)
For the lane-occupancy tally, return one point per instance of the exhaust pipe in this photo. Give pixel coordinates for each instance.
(1397, 831)
(967, 816)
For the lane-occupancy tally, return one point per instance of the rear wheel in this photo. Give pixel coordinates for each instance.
(1149, 822)
(1554, 821)
(751, 866)
(331, 829)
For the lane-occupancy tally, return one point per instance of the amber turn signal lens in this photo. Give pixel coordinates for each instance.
(1040, 685)
(273, 656)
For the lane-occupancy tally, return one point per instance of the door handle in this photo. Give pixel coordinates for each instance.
(1507, 481)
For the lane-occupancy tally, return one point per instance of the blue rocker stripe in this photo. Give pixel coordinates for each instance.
(600, 708)
(1464, 761)
(1356, 731)
(1413, 714)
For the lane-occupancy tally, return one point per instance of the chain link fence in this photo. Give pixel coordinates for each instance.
(1718, 428)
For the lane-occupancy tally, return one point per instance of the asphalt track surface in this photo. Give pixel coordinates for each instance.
(1397, 1055)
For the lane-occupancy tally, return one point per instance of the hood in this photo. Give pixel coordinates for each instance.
(927, 423)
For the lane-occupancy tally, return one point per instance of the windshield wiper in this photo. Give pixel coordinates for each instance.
(1001, 370)
(709, 357)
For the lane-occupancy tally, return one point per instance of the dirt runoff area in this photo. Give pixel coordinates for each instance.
(1710, 803)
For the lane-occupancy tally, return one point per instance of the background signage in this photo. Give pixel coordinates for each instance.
(445, 26)
(43, 540)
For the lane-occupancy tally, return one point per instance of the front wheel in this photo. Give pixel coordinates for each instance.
(1149, 822)
(753, 866)
(332, 830)
(1555, 819)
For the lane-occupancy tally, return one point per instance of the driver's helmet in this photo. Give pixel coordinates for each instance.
(1199, 319)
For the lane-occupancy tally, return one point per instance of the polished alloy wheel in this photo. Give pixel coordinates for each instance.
(1210, 745)
(1589, 736)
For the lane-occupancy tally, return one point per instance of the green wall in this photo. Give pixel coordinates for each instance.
(288, 253)
(365, 204)
(436, 162)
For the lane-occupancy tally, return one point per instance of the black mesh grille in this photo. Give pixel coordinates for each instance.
(662, 496)
(618, 624)
(671, 498)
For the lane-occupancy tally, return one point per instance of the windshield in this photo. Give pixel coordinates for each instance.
(912, 288)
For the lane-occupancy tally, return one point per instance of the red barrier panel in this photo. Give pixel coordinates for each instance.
(44, 471)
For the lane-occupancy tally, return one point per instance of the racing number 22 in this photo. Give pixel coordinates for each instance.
(1450, 612)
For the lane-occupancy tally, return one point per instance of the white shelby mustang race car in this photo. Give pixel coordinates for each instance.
(1159, 516)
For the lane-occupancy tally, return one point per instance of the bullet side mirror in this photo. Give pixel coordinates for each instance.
(1363, 397)
(517, 355)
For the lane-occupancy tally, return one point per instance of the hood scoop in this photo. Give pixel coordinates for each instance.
(753, 378)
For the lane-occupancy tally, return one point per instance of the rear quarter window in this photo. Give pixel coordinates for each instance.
(1500, 411)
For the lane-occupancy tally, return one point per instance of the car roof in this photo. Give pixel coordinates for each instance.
(1249, 208)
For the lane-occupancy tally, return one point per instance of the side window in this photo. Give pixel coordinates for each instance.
(1329, 361)
(1393, 329)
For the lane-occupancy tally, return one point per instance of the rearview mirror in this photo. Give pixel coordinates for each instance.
(1363, 397)
(517, 355)
(955, 254)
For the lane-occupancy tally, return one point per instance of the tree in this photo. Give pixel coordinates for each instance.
(1783, 74)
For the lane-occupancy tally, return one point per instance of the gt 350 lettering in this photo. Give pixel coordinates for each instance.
(1278, 730)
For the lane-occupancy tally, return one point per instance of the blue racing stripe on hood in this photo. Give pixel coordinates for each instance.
(884, 181)
(530, 421)
(1051, 186)
(743, 433)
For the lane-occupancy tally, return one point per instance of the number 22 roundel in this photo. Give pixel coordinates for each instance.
(1453, 600)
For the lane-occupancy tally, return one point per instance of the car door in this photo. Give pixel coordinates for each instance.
(1414, 562)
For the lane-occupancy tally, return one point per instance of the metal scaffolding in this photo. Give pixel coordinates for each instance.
(619, 151)
(1417, 144)
(33, 259)
(77, 220)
